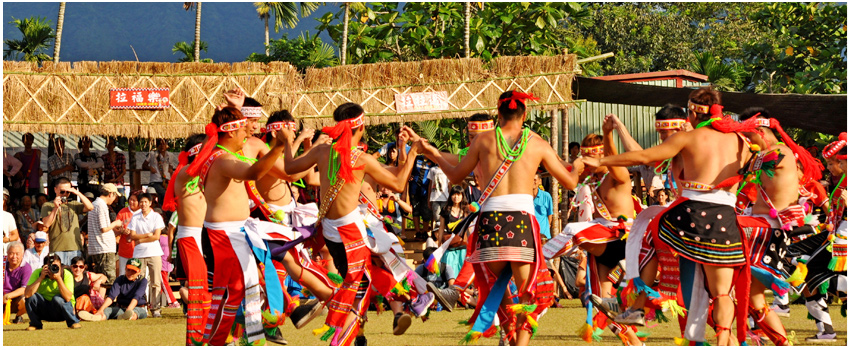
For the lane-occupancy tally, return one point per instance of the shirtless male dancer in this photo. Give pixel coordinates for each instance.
(341, 168)
(507, 241)
(602, 237)
(191, 209)
(222, 174)
(701, 225)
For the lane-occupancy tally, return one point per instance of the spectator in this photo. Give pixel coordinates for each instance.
(60, 216)
(126, 246)
(662, 197)
(391, 206)
(101, 247)
(15, 280)
(456, 210)
(60, 164)
(50, 296)
(11, 167)
(88, 286)
(160, 164)
(114, 168)
(126, 299)
(471, 191)
(28, 179)
(10, 231)
(543, 209)
(418, 196)
(26, 216)
(438, 192)
(40, 199)
(145, 228)
(89, 166)
(574, 148)
(35, 256)
(443, 280)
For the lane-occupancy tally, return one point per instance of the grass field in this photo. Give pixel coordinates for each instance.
(557, 328)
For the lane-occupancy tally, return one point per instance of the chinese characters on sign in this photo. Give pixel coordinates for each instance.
(144, 98)
(422, 102)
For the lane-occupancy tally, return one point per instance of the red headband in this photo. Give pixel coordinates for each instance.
(833, 148)
(341, 133)
(518, 96)
(592, 150)
(480, 126)
(669, 124)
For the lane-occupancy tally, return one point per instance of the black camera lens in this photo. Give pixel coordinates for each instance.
(54, 269)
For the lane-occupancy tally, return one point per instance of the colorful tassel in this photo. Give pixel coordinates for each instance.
(681, 341)
(474, 207)
(823, 287)
(520, 308)
(326, 332)
(471, 338)
(660, 317)
(642, 287)
(490, 332)
(773, 213)
(379, 303)
(799, 276)
(335, 278)
(586, 333)
(531, 321)
(778, 286)
(597, 334)
(432, 265)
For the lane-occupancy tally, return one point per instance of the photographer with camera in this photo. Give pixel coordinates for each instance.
(61, 218)
(50, 295)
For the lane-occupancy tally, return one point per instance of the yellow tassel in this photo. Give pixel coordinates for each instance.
(792, 338)
(799, 276)
(320, 331)
(674, 307)
(229, 339)
(681, 341)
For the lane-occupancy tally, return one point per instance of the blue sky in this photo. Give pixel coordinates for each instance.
(232, 29)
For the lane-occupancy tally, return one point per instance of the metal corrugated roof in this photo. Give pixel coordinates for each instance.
(12, 139)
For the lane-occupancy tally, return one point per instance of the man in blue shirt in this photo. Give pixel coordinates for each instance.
(542, 207)
(127, 294)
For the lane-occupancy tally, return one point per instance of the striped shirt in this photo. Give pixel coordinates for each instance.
(100, 242)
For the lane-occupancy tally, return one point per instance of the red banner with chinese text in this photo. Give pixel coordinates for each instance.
(141, 98)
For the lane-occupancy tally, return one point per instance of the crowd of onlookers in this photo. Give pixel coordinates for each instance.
(113, 250)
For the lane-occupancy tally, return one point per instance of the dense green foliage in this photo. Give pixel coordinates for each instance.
(304, 51)
(38, 36)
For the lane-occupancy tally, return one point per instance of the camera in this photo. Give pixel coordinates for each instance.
(48, 260)
(64, 199)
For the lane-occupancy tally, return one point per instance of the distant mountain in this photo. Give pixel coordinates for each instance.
(104, 31)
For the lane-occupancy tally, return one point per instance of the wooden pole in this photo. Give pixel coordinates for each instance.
(555, 225)
(565, 148)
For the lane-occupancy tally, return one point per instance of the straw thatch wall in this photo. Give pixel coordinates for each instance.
(75, 99)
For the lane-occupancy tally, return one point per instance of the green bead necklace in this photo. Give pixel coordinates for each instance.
(506, 150)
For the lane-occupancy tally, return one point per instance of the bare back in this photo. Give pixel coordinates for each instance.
(782, 188)
(347, 199)
(226, 198)
(711, 156)
(617, 198)
(191, 207)
(521, 174)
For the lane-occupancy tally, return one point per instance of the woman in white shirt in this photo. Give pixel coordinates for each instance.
(145, 228)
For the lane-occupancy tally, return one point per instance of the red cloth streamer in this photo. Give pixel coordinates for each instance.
(812, 169)
(518, 96)
(729, 125)
(341, 133)
(211, 130)
(169, 204)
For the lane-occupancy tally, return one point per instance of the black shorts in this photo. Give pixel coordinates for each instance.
(614, 252)
(422, 209)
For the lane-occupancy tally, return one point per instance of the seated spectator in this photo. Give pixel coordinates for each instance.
(35, 255)
(50, 295)
(26, 216)
(126, 299)
(15, 280)
(40, 199)
(10, 230)
(663, 197)
(88, 289)
(442, 281)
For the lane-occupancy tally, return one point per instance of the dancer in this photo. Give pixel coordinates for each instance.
(185, 197)
(603, 238)
(774, 186)
(507, 241)
(829, 261)
(701, 225)
(221, 172)
(640, 250)
(341, 168)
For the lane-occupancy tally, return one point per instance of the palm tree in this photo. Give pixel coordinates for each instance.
(356, 6)
(283, 12)
(188, 6)
(725, 77)
(58, 43)
(188, 51)
(467, 16)
(37, 34)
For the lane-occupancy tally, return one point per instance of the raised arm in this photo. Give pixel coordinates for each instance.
(629, 143)
(669, 148)
(619, 174)
(241, 171)
(555, 166)
(385, 177)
